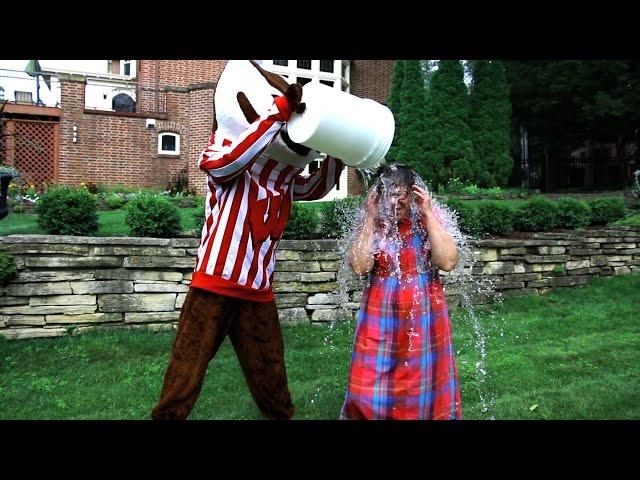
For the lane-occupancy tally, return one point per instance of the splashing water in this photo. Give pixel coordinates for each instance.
(460, 282)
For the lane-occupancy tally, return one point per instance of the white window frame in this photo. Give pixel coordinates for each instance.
(291, 72)
(132, 68)
(175, 152)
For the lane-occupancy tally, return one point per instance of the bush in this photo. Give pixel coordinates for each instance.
(471, 190)
(573, 213)
(17, 207)
(107, 189)
(495, 192)
(183, 201)
(338, 216)
(302, 223)
(8, 269)
(152, 216)
(607, 209)
(179, 183)
(91, 186)
(468, 219)
(631, 221)
(114, 201)
(495, 217)
(454, 185)
(68, 211)
(198, 217)
(537, 215)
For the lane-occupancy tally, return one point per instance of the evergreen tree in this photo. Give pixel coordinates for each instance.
(447, 137)
(490, 122)
(394, 104)
(412, 116)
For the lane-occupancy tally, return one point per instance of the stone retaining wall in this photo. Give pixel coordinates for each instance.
(72, 284)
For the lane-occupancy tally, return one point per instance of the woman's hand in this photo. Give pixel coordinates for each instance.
(423, 200)
(371, 204)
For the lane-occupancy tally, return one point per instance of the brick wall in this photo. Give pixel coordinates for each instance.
(369, 79)
(180, 73)
(121, 150)
(110, 149)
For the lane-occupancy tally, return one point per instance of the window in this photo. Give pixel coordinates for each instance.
(333, 73)
(23, 97)
(127, 68)
(326, 66)
(169, 143)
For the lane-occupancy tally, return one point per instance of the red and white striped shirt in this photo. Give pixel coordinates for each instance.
(248, 203)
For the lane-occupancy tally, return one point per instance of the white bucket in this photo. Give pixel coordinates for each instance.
(357, 131)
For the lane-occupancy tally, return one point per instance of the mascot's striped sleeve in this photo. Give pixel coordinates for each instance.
(248, 203)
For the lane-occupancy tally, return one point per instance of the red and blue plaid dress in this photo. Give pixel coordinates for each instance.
(403, 362)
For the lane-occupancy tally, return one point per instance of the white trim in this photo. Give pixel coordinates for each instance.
(168, 152)
(291, 72)
(132, 68)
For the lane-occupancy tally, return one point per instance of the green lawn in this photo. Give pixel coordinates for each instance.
(575, 353)
(111, 222)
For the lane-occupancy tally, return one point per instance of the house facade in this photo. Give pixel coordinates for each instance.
(137, 122)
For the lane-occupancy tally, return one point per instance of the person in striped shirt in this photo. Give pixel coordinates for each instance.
(252, 180)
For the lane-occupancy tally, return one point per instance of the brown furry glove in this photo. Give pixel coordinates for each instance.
(294, 97)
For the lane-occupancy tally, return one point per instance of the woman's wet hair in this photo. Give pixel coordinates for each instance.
(394, 175)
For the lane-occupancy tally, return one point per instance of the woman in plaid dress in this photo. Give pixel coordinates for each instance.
(403, 361)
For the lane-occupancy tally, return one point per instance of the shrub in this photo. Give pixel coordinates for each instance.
(454, 185)
(114, 201)
(338, 216)
(471, 190)
(17, 207)
(495, 192)
(198, 217)
(302, 223)
(573, 213)
(607, 209)
(68, 211)
(495, 217)
(537, 215)
(183, 201)
(90, 185)
(631, 221)
(468, 219)
(152, 216)
(179, 183)
(8, 269)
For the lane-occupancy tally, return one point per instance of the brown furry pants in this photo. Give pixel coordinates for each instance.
(206, 319)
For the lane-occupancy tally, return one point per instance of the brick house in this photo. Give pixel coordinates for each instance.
(166, 125)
